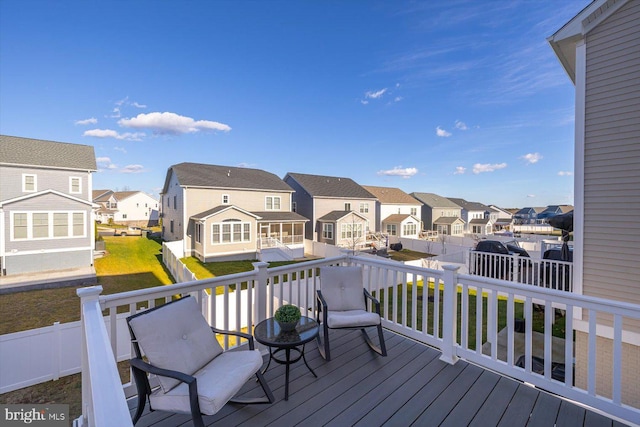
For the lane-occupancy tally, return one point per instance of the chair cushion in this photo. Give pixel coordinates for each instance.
(342, 288)
(217, 382)
(352, 318)
(176, 336)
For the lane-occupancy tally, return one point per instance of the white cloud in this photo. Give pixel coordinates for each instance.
(132, 169)
(171, 123)
(91, 121)
(124, 150)
(135, 104)
(461, 125)
(115, 113)
(105, 163)
(565, 173)
(399, 171)
(109, 133)
(486, 167)
(531, 196)
(442, 133)
(364, 101)
(397, 99)
(532, 158)
(375, 95)
(460, 170)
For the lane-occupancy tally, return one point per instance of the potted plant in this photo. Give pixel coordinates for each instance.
(287, 317)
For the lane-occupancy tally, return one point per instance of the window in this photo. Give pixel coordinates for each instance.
(20, 226)
(392, 229)
(78, 224)
(327, 231)
(409, 229)
(124, 216)
(171, 226)
(232, 231)
(60, 224)
(351, 231)
(198, 232)
(347, 206)
(40, 225)
(168, 202)
(225, 199)
(75, 185)
(364, 208)
(175, 202)
(29, 183)
(414, 211)
(272, 203)
(294, 207)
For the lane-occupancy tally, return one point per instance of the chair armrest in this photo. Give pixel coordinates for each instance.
(374, 301)
(145, 367)
(244, 335)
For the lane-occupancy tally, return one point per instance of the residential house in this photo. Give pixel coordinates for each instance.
(476, 216)
(440, 214)
(600, 51)
(397, 212)
(341, 212)
(502, 218)
(230, 213)
(527, 215)
(126, 207)
(553, 210)
(46, 213)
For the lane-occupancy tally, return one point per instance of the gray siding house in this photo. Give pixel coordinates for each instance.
(476, 216)
(341, 212)
(398, 213)
(600, 51)
(46, 213)
(440, 214)
(230, 213)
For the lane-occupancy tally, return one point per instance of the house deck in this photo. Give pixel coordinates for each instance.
(409, 387)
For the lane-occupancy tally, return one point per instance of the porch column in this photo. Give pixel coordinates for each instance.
(449, 314)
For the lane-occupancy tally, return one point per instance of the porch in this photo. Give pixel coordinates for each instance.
(411, 386)
(423, 306)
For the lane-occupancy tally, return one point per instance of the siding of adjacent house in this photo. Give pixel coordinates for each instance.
(173, 212)
(237, 250)
(612, 156)
(324, 206)
(46, 179)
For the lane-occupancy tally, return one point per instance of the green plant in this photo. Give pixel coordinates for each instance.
(288, 314)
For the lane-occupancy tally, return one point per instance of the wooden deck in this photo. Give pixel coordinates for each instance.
(409, 387)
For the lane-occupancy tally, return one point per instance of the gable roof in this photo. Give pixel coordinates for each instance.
(27, 152)
(448, 220)
(434, 201)
(334, 216)
(101, 195)
(214, 176)
(469, 206)
(563, 42)
(46, 192)
(218, 209)
(390, 195)
(398, 218)
(330, 186)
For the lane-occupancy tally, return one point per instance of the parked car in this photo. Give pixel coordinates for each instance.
(500, 264)
(556, 275)
(129, 231)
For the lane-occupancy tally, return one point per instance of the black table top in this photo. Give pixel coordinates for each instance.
(268, 333)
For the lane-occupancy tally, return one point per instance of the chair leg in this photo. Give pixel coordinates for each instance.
(323, 344)
(265, 387)
(382, 349)
(142, 385)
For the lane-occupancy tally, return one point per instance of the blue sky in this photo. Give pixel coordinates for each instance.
(460, 98)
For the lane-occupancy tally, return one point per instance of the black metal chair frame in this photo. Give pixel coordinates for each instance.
(141, 369)
(323, 343)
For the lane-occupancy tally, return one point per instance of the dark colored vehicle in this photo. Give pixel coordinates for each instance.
(554, 275)
(498, 267)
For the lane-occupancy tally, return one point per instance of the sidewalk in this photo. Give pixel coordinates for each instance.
(85, 276)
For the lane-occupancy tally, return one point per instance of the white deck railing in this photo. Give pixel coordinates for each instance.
(420, 303)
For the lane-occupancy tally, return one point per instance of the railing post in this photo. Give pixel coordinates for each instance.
(449, 314)
(86, 295)
(260, 293)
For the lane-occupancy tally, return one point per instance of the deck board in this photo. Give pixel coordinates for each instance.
(409, 387)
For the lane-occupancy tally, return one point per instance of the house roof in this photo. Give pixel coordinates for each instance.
(214, 176)
(15, 150)
(398, 218)
(121, 195)
(283, 216)
(563, 42)
(217, 210)
(101, 195)
(443, 220)
(469, 206)
(330, 186)
(434, 201)
(479, 221)
(337, 215)
(391, 195)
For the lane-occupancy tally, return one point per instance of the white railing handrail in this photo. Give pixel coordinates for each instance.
(390, 280)
(105, 401)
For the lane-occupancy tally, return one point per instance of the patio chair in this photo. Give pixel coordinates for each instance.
(181, 350)
(342, 304)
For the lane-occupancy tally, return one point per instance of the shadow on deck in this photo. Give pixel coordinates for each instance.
(409, 387)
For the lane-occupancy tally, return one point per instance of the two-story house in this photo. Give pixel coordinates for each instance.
(341, 212)
(527, 215)
(230, 213)
(46, 213)
(440, 214)
(126, 207)
(396, 211)
(476, 216)
(553, 210)
(600, 51)
(502, 218)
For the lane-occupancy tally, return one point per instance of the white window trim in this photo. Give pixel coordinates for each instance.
(228, 201)
(364, 207)
(273, 204)
(24, 182)
(327, 231)
(231, 241)
(71, 178)
(49, 225)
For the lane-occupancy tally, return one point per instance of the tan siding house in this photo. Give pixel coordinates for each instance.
(600, 50)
